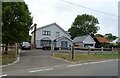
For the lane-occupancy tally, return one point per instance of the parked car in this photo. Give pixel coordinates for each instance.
(90, 47)
(25, 45)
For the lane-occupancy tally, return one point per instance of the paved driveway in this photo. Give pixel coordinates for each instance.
(32, 59)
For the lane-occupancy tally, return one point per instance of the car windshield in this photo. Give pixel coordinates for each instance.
(26, 43)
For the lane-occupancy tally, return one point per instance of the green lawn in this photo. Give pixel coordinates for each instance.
(7, 58)
(85, 57)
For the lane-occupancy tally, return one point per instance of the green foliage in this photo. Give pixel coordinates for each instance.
(74, 32)
(99, 35)
(16, 22)
(110, 37)
(85, 24)
(118, 45)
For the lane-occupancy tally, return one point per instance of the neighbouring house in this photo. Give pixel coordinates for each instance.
(115, 41)
(84, 41)
(101, 42)
(52, 33)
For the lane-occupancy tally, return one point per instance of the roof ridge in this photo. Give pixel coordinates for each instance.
(56, 25)
(47, 25)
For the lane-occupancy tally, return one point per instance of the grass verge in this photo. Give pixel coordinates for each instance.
(86, 57)
(7, 58)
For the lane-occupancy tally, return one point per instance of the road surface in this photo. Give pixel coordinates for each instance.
(32, 59)
(100, 68)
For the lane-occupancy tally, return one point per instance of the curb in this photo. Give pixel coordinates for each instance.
(63, 59)
(18, 59)
(87, 61)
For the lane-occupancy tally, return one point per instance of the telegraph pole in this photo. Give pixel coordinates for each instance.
(34, 45)
(34, 32)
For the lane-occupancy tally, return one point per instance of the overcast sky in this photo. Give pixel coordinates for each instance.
(49, 11)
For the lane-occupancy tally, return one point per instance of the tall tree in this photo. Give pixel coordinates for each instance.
(16, 20)
(85, 24)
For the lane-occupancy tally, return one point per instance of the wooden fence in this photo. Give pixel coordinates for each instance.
(14, 49)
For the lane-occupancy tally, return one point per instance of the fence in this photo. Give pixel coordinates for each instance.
(88, 50)
(64, 53)
(14, 49)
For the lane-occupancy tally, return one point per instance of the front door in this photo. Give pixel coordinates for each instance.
(46, 43)
(64, 44)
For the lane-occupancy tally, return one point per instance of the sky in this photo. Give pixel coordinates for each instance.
(45, 12)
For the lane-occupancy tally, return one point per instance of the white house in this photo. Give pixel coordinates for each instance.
(51, 33)
(115, 41)
(84, 41)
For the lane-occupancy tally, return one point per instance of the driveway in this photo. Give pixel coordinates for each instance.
(32, 59)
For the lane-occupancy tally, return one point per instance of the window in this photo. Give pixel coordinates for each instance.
(46, 33)
(57, 34)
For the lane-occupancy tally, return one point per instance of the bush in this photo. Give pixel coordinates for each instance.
(118, 45)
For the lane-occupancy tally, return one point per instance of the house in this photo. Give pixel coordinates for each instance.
(84, 41)
(101, 42)
(115, 41)
(49, 34)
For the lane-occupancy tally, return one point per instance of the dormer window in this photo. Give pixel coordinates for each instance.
(48, 33)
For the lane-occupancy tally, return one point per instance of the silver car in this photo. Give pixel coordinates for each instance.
(25, 45)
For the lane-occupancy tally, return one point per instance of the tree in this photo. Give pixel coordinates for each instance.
(74, 32)
(16, 20)
(85, 24)
(99, 35)
(110, 37)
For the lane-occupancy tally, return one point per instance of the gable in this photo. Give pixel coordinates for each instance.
(89, 39)
(63, 38)
(54, 27)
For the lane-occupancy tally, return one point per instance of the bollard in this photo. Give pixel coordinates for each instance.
(102, 50)
(112, 50)
(88, 50)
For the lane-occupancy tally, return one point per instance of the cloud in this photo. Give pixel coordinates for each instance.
(48, 11)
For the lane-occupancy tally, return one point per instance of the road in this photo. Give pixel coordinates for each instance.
(101, 68)
(32, 59)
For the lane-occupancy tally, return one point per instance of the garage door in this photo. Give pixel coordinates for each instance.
(64, 44)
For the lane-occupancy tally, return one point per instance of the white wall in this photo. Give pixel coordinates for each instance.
(53, 30)
(89, 40)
